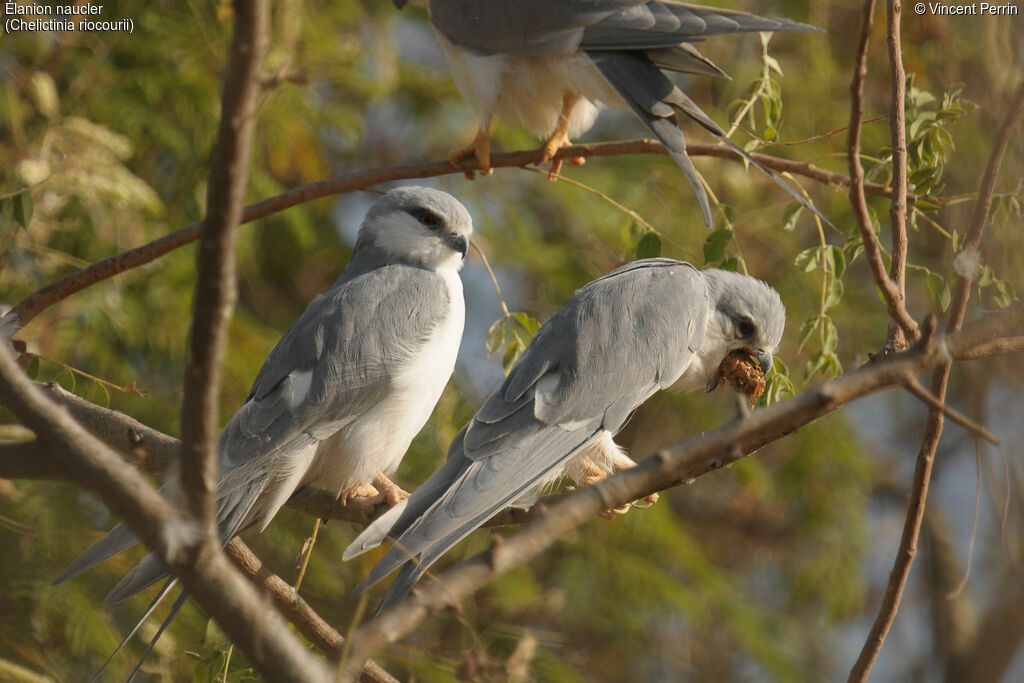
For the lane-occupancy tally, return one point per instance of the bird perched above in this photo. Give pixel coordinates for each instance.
(342, 395)
(547, 65)
(649, 325)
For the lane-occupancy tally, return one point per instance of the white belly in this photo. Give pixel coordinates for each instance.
(379, 438)
(528, 90)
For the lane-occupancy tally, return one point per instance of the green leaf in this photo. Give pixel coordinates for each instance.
(835, 293)
(649, 246)
(22, 208)
(732, 263)
(808, 259)
(1005, 293)
(495, 336)
(938, 289)
(714, 245)
(814, 365)
(806, 330)
(987, 277)
(512, 353)
(33, 367)
(790, 215)
(531, 325)
(834, 366)
(831, 337)
(837, 261)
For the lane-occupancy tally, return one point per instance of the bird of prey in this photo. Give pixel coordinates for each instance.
(342, 395)
(650, 325)
(548, 65)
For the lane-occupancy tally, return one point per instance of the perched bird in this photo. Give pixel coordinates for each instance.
(548, 65)
(650, 325)
(342, 395)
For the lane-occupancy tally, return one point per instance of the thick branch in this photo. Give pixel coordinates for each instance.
(893, 299)
(898, 128)
(297, 610)
(214, 583)
(37, 302)
(693, 458)
(215, 290)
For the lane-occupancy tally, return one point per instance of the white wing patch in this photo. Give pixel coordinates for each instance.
(301, 381)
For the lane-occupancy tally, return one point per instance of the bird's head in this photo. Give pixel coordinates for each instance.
(419, 225)
(746, 314)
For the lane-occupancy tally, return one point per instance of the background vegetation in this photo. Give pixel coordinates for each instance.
(769, 570)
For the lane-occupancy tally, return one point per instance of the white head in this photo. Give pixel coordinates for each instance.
(420, 226)
(745, 314)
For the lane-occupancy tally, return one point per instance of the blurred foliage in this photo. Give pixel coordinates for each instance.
(747, 574)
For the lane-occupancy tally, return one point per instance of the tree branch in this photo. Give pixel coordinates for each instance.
(893, 300)
(929, 443)
(37, 302)
(297, 610)
(216, 289)
(898, 127)
(214, 583)
(919, 392)
(672, 466)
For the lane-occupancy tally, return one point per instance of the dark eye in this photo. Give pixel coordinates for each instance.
(428, 219)
(746, 327)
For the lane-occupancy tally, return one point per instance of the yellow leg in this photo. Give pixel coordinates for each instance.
(392, 492)
(358, 491)
(559, 138)
(480, 149)
(593, 474)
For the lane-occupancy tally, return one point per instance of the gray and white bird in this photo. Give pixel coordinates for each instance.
(650, 325)
(549, 65)
(341, 396)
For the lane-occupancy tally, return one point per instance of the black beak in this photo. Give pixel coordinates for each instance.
(458, 243)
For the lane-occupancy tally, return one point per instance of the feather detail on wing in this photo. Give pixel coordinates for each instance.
(616, 342)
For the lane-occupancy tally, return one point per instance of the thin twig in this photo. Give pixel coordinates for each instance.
(956, 592)
(979, 431)
(37, 302)
(893, 301)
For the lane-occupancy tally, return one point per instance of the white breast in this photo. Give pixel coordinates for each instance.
(379, 438)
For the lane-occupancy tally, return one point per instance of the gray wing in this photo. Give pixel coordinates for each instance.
(329, 368)
(543, 27)
(617, 341)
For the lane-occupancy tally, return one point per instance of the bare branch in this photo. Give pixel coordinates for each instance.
(297, 610)
(893, 299)
(930, 441)
(37, 302)
(898, 127)
(915, 388)
(697, 456)
(999, 347)
(215, 290)
(214, 583)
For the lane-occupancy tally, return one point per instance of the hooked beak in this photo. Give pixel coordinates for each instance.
(458, 243)
(765, 360)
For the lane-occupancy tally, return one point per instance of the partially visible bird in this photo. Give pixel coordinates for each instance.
(348, 386)
(548, 65)
(650, 325)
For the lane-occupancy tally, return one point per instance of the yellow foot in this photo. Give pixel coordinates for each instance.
(363, 490)
(480, 149)
(595, 474)
(391, 493)
(559, 138)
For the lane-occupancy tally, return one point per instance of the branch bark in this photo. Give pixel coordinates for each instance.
(37, 302)
(890, 292)
(214, 583)
(216, 289)
(898, 128)
(672, 466)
